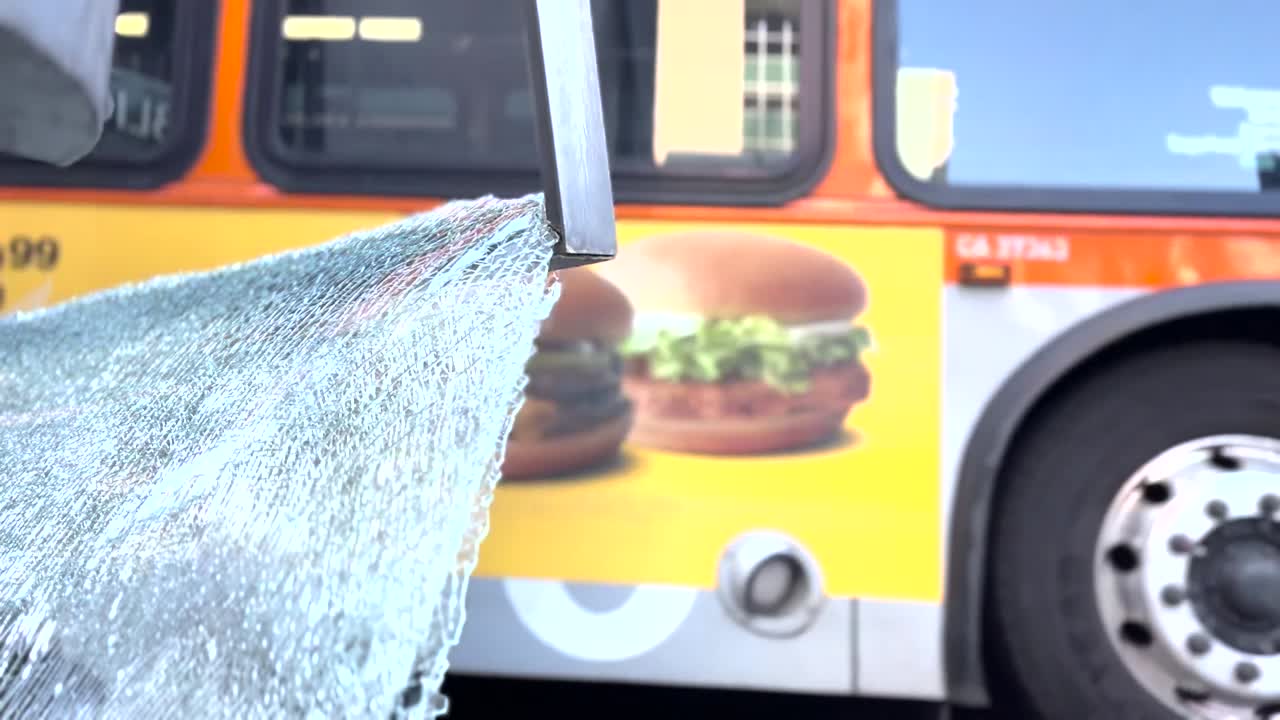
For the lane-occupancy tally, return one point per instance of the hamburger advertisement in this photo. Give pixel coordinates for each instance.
(715, 379)
(745, 343)
(574, 413)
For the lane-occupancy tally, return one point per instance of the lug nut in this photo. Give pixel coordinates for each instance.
(1247, 672)
(1172, 595)
(1198, 644)
(1181, 544)
(1269, 504)
(1217, 510)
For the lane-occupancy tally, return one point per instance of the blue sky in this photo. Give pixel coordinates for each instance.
(1085, 92)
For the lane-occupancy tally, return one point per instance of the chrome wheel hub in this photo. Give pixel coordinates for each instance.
(1187, 570)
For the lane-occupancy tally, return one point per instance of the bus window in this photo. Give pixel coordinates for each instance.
(159, 86)
(399, 97)
(1092, 105)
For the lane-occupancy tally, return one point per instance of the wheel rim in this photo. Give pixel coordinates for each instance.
(1187, 577)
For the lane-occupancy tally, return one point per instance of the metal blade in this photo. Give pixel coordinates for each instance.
(570, 125)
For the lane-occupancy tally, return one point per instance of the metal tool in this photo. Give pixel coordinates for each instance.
(570, 130)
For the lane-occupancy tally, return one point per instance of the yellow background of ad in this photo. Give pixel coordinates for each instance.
(869, 513)
(102, 247)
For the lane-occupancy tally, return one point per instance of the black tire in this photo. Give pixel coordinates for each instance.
(1050, 655)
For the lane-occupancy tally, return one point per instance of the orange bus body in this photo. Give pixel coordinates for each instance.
(1131, 254)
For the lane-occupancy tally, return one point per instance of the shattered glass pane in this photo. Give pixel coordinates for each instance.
(258, 492)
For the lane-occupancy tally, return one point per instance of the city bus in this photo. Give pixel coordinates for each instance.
(1056, 238)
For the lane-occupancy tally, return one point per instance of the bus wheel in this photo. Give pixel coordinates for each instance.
(1135, 558)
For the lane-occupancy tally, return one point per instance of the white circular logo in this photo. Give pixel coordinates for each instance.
(648, 618)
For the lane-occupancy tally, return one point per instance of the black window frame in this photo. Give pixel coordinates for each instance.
(195, 37)
(807, 167)
(1067, 200)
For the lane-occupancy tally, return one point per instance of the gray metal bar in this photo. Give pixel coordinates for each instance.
(570, 126)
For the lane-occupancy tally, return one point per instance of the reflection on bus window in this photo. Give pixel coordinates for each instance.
(1142, 95)
(141, 82)
(772, 83)
(444, 84)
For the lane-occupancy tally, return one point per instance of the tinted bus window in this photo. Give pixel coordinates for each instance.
(159, 86)
(394, 86)
(142, 82)
(1137, 96)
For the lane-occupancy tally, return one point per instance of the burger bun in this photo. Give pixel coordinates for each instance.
(727, 274)
(589, 308)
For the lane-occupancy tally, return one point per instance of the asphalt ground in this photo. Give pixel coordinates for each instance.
(482, 698)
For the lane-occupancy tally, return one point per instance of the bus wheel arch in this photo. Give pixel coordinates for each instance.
(1248, 310)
